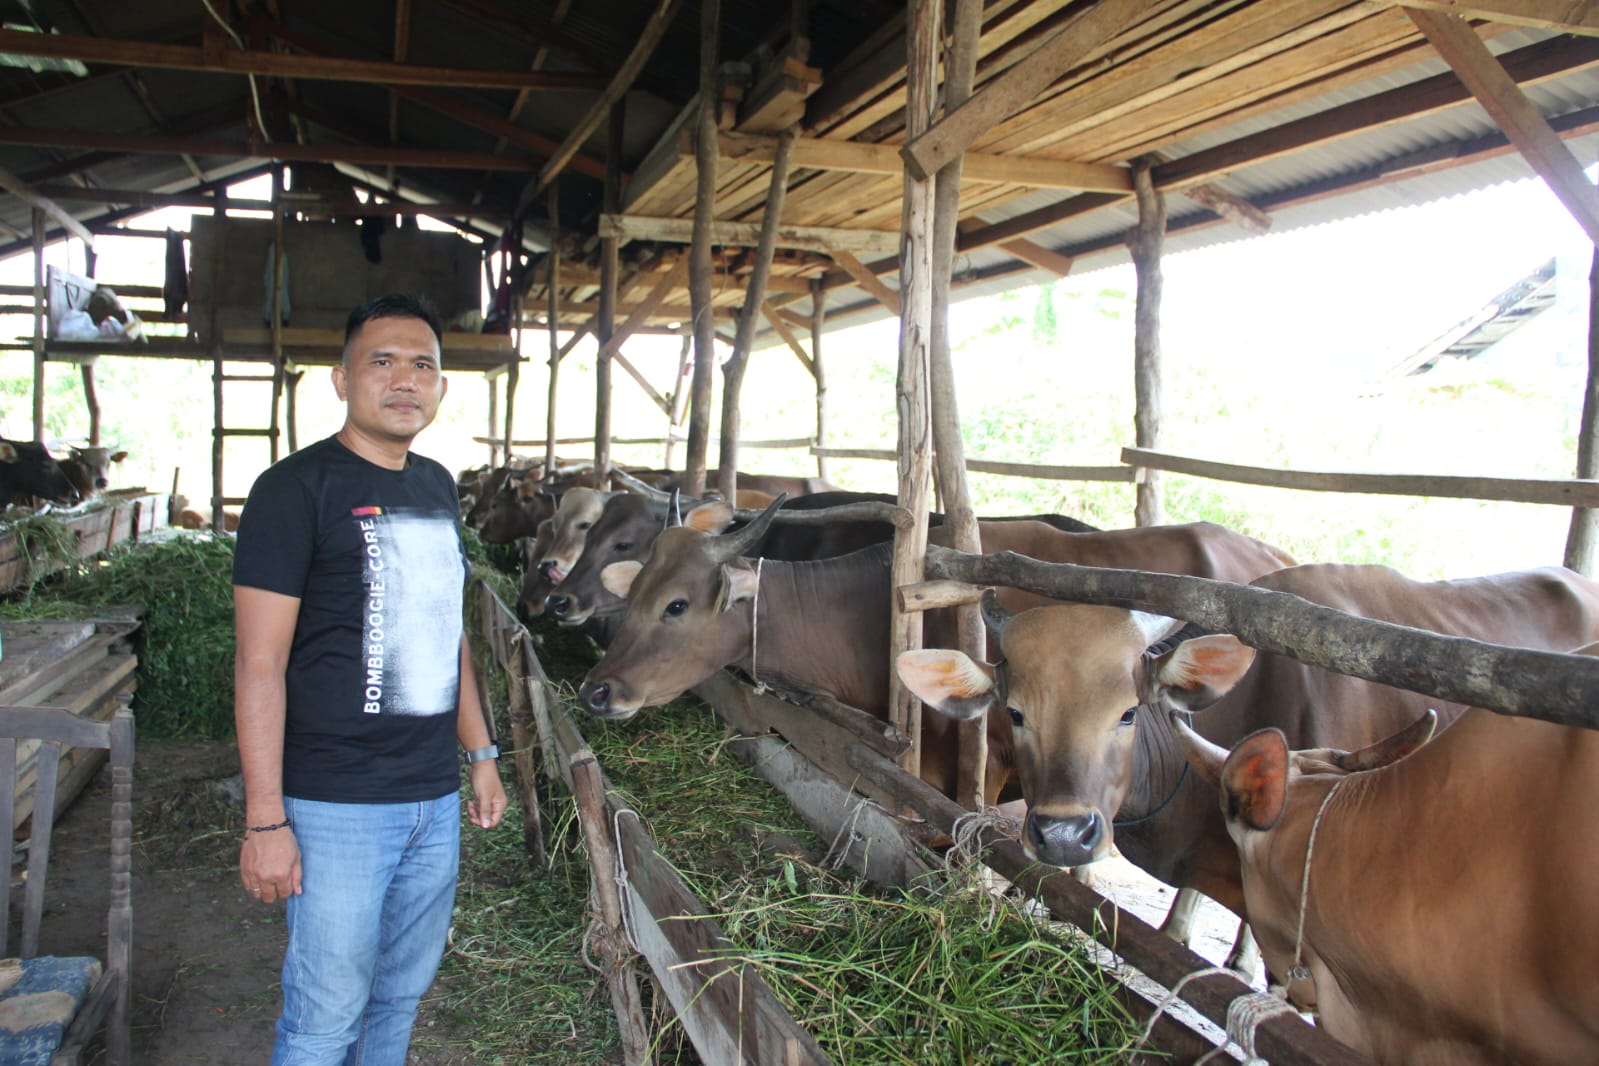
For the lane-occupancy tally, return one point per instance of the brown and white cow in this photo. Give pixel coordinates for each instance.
(1449, 912)
(89, 469)
(696, 606)
(1100, 766)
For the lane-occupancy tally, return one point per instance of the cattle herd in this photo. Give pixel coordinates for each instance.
(31, 476)
(1431, 901)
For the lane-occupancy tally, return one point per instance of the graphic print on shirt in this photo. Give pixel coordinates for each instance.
(411, 632)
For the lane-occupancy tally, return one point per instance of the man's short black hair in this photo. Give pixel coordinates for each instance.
(393, 305)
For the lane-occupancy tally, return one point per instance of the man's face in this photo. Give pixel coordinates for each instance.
(391, 381)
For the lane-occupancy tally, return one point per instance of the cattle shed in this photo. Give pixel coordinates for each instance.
(745, 174)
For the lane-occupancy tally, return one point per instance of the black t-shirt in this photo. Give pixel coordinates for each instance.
(375, 558)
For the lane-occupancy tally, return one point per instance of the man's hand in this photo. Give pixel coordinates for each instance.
(269, 865)
(487, 805)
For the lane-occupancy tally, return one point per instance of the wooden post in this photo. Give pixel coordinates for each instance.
(494, 419)
(911, 395)
(521, 679)
(1146, 241)
(610, 268)
(38, 325)
(279, 257)
(91, 400)
(291, 383)
(214, 341)
(960, 68)
(553, 292)
(699, 261)
(513, 372)
(1584, 534)
(679, 404)
(818, 320)
(755, 295)
(608, 933)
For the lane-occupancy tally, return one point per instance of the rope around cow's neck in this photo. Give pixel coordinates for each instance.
(755, 627)
(1298, 971)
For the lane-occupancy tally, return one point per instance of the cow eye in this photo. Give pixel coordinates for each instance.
(1017, 718)
(1128, 715)
(584, 525)
(623, 546)
(675, 609)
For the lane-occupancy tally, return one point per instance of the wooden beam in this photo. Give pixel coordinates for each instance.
(146, 200)
(660, 401)
(1562, 16)
(783, 330)
(1017, 87)
(746, 234)
(866, 279)
(702, 234)
(621, 82)
(1235, 209)
(28, 194)
(645, 309)
(148, 54)
(1518, 116)
(158, 144)
(861, 158)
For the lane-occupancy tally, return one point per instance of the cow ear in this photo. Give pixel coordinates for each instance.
(618, 577)
(712, 517)
(948, 681)
(1197, 672)
(739, 583)
(8, 452)
(1254, 780)
(117, 457)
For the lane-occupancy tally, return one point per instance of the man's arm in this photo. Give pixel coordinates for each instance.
(264, 631)
(487, 805)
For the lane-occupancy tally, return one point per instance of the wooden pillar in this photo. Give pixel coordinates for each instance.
(214, 341)
(679, 405)
(699, 255)
(38, 325)
(755, 295)
(1584, 534)
(91, 400)
(818, 320)
(911, 395)
(279, 256)
(291, 382)
(1146, 241)
(494, 419)
(513, 373)
(553, 292)
(960, 68)
(610, 268)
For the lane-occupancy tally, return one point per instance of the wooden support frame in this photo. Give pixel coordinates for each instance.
(30, 195)
(748, 234)
(703, 319)
(818, 371)
(1509, 107)
(610, 270)
(867, 279)
(1146, 241)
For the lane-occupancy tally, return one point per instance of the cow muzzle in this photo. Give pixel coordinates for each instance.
(563, 609)
(552, 571)
(1069, 841)
(597, 696)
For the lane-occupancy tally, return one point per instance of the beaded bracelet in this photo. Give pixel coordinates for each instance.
(268, 828)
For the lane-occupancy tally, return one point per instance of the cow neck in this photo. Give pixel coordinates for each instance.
(1159, 771)
(797, 651)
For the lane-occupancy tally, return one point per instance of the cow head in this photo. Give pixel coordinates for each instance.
(28, 469)
(535, 585)
(624, 532)
(1072, 678)
(683, 620)
(579, 509)
(91, 468)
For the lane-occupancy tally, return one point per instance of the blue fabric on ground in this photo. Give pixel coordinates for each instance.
(38, 999)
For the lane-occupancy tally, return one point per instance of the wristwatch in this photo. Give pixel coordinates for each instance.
(483, 754)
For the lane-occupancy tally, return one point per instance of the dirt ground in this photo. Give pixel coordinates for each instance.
(205, 965)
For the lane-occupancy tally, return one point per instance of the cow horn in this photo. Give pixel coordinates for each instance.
(1390, 749)
(674, 510)
(995, 617)
(730, 546)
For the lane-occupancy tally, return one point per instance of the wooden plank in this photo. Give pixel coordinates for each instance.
(151, 55)
(866, 279)
(746, 234)
(926, 153)
(645, 309)
(1562, 16)
(775, 319)
(1518, 116)
(861, 158)
(28, 194)
(1571, 493)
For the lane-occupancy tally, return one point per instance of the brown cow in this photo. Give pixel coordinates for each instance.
(1449, 913)
(1100, 766)
(693, 609)
(89, 469)
(27, 469)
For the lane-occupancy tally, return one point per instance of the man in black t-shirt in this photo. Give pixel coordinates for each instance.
(353, 686)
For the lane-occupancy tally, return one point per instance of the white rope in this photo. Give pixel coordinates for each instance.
(1298, 971)
(1244, 1015)
(755, 628)
(846, 834)
(967, 830)
(621, 879)
(255, 93)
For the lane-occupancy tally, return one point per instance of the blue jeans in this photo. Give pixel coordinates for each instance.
(368, 930)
